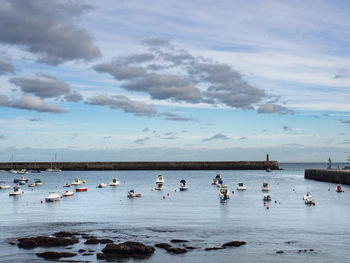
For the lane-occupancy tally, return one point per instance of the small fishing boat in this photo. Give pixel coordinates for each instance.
(224, 192)
(132, 194)
(339, 189)
(266, 197)
(268, 170)
(265, 187)
(4, 186)
(241, 187)
(220, 182)
(38, 182)
(56, 170)
(101, 185)
(66, 185)
(114, 182)
(159, 186)
(35, 171)
(68, 193)
(16, 191)
(22, 182)
(76, 182)
(160, 179)
(216, 178)
(31, 184)
(23, 171)
(183, 185)
(308, 199)
(81, 189)
(22, 178)
(53, 197)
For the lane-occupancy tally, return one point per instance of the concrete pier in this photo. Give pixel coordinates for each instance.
(224, 165)
(328, 175)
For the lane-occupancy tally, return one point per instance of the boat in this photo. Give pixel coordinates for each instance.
(220, 182)
(308, 199)
(68, 193)
(35, 171)
(216, 178)
(114, 182)
(76, 182)
(265, 187)
(38, 182)
(268, 170)
(132, 194)
(159, 186)
(183, 185)
(22, 182)
(266, 197)
(81, 189)
(13, 171)
(4, 186)
(160, 179)
(22, 178)
(241, 187)
(66, 185)
(339, 189)
(101, 185)
(224, 192)
(16, 191)
(53, 197)
(54, 169)
(31, 184)
(23, 171)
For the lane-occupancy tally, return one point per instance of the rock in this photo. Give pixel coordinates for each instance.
(290, 242)
(92, 241)
(213, 248)
(178, 241)
(100, 256)
(189, 247)
(128, 249)
(311, 250)
(55, 255)
(234, 244)
(86, 236)
(176, 250)
(65, 234)
(91, 250)
(82, 250)
(279, 252)
(163, 245)
(42, 241)
(88, 254)
(12, 243)
(106, 241)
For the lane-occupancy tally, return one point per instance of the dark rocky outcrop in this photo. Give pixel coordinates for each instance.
(55, 255)
(82, 250)
(127, 249)
(92, 241)
(66, 234)
(190, 247)
(213, 248)
(175, 250)
(88, 254)
(280, 252)
(42, 241)
(105, 241)
(234, 244)
(163, 245)
(178, 241)
(12, 243)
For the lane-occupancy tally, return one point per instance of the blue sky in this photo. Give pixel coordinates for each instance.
(201, 80)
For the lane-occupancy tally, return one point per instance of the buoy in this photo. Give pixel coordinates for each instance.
(264, 204)
(84, 181)
(267, 208)
(152, 189)
(61, 196)
(163, 196)
(329, 189)
(175, 190)
(275, 201)
(168, 194)
(32, 189)
(41, 201)
(313, 203)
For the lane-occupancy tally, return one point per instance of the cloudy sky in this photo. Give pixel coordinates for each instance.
(120, 80)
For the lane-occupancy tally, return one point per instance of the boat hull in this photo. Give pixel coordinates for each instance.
(81, 189)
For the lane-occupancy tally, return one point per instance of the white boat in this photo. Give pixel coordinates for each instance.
(13, 171)
(38, 182)
(66, 185)
(183, 185)
(4, 186)
(53, 197)
(114, 182)
(160, 179)
(16, 191)
(267, 197)
(21, 179)
(265, 187)
(68, 193)
(31, 184)
(22, 182)
(23, 171)
(308, 199)
(224, 192)
(159, 186)
(132, 194)
(54, 169)
(241, 187)
(216, 179)
(76, 182)
(101, 185)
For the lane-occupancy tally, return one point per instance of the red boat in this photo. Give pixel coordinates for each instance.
(81, 189)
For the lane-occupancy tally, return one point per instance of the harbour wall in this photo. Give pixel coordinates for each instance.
(223, 165)
(328, 175)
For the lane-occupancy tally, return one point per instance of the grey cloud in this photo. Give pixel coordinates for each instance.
(34, 119)
(107, 137)
(168, 136)
(120, 72)
(345, 142)
(46, 86)
(286, 128)
(123, 103)
(145, 129)
(174, 117)
(29, 103)
(142, 140)
(274, 108)
(243, 138)
(217, 136)
(345, 121)
(2, 137)
(6, 67)
(157, 42)
(47, 30)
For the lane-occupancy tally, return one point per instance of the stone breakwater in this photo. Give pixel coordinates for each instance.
(221, 165)
(328, 175)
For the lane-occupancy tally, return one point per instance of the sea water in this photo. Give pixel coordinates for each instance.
(196, 215)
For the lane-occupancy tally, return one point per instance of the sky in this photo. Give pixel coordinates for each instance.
(120, 80)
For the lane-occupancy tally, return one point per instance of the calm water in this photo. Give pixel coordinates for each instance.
(196, 215)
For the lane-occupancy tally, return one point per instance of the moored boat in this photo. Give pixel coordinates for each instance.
(38, 182)
(339, 189)
(68, 193)
(114, 182)
(265, 187)
(16, 191)
(183, 185)
(159, 183)
(241, 187)
(266, 197)
(31, 184)
(132, 194)
(216, 178)
(3, 185)
(76, 182)
(53, 197)
(22, 178)
(81, 189)
(308, 199)
(101, 185)
(66, 185)
(224, 192)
